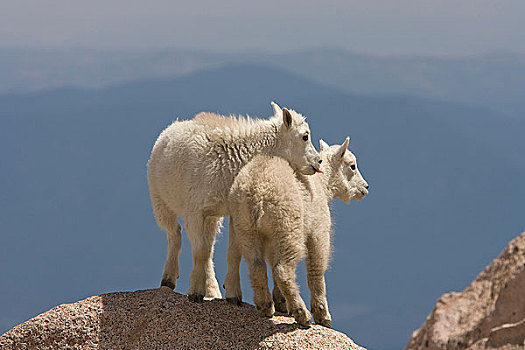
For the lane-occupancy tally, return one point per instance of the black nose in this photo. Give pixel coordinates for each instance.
(367, 187)
(320, 161)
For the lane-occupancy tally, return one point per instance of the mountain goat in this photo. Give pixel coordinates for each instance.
(190, 171)
(280, 215)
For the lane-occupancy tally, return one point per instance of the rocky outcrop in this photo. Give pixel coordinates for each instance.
(489, 314)
(162, 319)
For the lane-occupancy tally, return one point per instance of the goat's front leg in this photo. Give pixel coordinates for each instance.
(232, 283)
(316, 265)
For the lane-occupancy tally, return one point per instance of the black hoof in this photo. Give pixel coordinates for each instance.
(196, 298)
(281, 307)
(280, 304)
(235, 301)
(325, 323)
(166, 283)
(304, 325)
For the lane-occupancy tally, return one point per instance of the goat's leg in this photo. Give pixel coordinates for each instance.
(284, 274)
(171, 266)
(278, 297)
(316, 265)
(212, 226)
(258, 277)
(232, 283)
(201, 232)
(167, 220)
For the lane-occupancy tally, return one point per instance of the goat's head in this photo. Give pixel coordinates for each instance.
(295, 141)
(344, 178)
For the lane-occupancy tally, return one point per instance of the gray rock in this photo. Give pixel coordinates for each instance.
(488, 314)
(162, 319)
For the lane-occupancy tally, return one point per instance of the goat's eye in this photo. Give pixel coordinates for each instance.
(352, 166)
(305, 137)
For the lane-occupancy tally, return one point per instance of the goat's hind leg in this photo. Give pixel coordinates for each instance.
(171, 267)
(258, 276)
(284, 274)
(201, 232)
(278, 297)
(168, 222)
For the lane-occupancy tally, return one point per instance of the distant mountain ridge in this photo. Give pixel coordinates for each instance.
(492, 81)
(480, 123)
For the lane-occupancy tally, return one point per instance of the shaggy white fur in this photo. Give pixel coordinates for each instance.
(190, 172)
(280, 215)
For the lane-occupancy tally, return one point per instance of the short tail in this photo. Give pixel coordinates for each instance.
(257, 213)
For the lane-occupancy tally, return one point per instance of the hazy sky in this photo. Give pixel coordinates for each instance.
(383, 27)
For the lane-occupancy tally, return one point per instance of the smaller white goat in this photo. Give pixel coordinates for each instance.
(281, 216)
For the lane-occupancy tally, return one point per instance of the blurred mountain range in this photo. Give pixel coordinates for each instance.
(446, 185)
(492, 81)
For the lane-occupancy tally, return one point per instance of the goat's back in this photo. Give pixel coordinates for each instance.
(267, 195)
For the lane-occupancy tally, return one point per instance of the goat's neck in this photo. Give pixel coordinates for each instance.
(258, 138)
(264, 137)
(327, 183)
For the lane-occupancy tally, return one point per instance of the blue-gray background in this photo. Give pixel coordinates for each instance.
(437, 125)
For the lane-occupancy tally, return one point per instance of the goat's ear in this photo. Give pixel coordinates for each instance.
(287, 118)
(276, 109)
(323, 145)
(342, 149)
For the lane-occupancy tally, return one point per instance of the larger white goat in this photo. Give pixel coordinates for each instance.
(190, 172)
